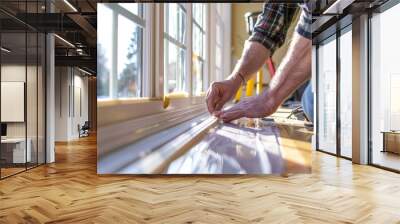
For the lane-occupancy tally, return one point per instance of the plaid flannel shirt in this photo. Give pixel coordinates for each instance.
(272, 25)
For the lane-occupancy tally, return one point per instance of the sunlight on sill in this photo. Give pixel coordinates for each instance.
(109, 102)
(125, 101)
(177, 95)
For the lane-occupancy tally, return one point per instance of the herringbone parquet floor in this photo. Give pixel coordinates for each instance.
(69, 191)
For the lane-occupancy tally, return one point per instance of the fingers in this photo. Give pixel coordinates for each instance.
(217, 95)
(211, 98)
(222, 101)
(232, 114)
(215, 98)
(217, 113)
(219, 105)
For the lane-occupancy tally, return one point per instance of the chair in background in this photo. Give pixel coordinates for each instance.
(84, 130)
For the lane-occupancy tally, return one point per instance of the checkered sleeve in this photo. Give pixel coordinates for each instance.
(304, 26)
(272, 25)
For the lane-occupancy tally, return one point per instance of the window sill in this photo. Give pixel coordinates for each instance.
(126, 101)
(143, 156)
(144, 100)
(116, 111)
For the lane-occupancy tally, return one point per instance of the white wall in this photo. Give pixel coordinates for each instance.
(61, 103)
(16, 73)
(12, 101)
(81, 94)
(33, 126)
(70, 84)
(225, 10)
(12, 73)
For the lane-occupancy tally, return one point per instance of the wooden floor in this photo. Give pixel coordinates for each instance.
(10, 171)
(386, 159)
(70, 191)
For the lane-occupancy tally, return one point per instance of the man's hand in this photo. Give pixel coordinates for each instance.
(221, 92)
(294, 70)
(252, 107)
(253, 57)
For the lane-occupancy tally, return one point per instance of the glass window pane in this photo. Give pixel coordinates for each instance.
(327, 97)
(175, 68)
(15, 153)
(218, 33)
(218, 57)
(198, 42)
(135, 8)
(385, 89)
(104, 50)
(119, 53)
(198, 76)
(175, 77)
(346, 94)
(175, 22)
(199, 11)
(198, 46)
(129, 58)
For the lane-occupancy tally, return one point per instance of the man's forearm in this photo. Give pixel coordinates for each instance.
(253, 57)
(294, 70)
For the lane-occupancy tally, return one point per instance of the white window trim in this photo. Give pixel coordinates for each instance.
(189, 51)
(210, 44)
(219, 21)
(206, 81)
(146, 44)
(159, 51)
(148, 50)
(186, 7)
(205, 58)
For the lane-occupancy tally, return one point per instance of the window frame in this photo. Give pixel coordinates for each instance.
(206, 48)
(336, 39)
(219, 22)
(145, 57)
(153, 63)
(371, 73)
(324, 38)
(186, 7)
(362, 63)
(152, 24)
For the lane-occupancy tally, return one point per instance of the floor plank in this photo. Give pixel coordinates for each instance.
(70, 191)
